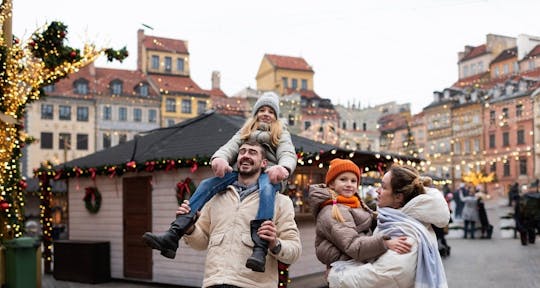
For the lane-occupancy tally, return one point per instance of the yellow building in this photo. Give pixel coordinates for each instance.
(166, 62)
(283, 74)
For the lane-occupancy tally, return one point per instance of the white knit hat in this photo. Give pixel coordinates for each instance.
(269, 99)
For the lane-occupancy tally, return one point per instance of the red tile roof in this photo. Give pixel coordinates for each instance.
(288, 62)
(99, 83)
(165, 44)
(477, 79)
(216, 92)
(534, 52)
(505, 55)
(310, 94)
(169, 84)
(230, 105)
(475, 52)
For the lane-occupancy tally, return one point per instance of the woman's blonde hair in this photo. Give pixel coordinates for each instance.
(276, 128)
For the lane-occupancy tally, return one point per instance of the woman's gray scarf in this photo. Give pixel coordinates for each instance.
(429, 270)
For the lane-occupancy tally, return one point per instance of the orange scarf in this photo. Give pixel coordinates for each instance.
(352, 201)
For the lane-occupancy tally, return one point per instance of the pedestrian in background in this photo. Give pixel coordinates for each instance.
(458, 194)
(486, 227)
(470, 214)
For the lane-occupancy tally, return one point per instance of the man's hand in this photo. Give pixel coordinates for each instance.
(398, 244)
(277, 173)
(185, 209)
(221, 167)
(267, 232)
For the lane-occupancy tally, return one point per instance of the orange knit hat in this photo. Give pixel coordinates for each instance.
(338, 166)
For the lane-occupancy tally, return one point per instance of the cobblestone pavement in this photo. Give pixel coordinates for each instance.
(481, 263)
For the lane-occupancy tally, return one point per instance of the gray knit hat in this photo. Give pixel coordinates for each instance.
(270, 99)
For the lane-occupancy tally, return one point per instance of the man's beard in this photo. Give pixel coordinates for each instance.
(252, 171)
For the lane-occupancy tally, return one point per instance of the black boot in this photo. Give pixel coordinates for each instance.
(489, 231)
(167, 243)
(257, 260)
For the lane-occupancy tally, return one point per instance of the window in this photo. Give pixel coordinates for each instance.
(519, 110)
(354, 126)
(81, 86)
(465, 71)
(122, 114)
(180, 64)
(122, 138)
(291, 120)
(473, 69)
(64, 141)
(521, 137)
(107, 113)
(106, 140)
(82, 141)
(467, 146)
(201, 107)
(152, 116)
(46, 140)
(137, 114)
(522, 166)
(307, 124)
(506, 139)
(142, 89)
(492, 117)
(505, 113)
(476, 145)
(168, 64)
(506, 169)
(364, 126)
(116, 87)
(457, 148)
(532, 65)
(170, 105)
(491, 141)
(186, 106)
(294, 83)
(304, 84)
(285, 82)
(65, 112)
(82, 114)
(344, 125)
(48, 88)
(47, 111)
(493, 167)
(506, 69)
(155, 62)
(496, 72)
(170, 122)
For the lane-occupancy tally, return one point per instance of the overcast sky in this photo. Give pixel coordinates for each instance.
(367, 52)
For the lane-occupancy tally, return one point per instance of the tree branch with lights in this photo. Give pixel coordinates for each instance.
(27, 67)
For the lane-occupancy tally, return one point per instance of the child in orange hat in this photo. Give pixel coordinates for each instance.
(344, 222)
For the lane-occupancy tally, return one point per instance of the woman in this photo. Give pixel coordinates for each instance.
(406, 208)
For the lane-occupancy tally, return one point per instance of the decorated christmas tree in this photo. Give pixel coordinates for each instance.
(27, 67)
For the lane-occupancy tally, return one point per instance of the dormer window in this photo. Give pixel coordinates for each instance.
(142, 89)
(48, 88)
(116, 87)
(81, 86)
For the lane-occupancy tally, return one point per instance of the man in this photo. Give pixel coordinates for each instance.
(224, 229)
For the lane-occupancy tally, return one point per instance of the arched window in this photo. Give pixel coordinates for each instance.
(80, 86)
(116, 87)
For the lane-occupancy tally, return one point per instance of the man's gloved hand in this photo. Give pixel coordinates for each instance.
(277, 173)
(221, 167)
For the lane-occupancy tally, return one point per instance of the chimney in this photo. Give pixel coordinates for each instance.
(140, 39)
(216, 80)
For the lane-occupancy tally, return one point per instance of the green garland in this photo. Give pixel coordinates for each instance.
(92, 199)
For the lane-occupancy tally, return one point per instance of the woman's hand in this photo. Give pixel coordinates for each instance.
(398, 244)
